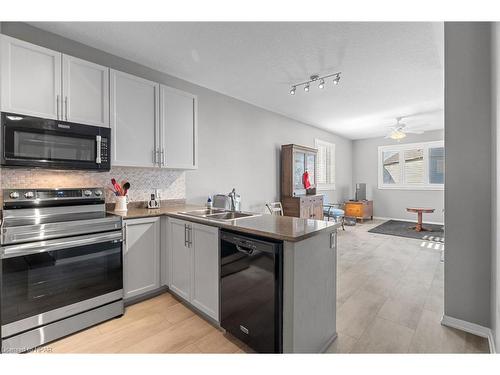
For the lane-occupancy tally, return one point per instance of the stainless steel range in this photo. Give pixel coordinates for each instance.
(61, 265)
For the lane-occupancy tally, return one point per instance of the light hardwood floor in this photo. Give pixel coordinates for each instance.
(390, 300)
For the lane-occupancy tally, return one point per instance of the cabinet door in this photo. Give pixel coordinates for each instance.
(134, 120)
(180, 258)
(205, 275)
(85, 92)
(178, 128)
(299, 159)
(30, 79)
(318, 210)
(141, 265)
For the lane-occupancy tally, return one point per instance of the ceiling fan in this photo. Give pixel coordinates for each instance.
(399, 130)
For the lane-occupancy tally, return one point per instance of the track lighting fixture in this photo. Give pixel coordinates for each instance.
(314, 78)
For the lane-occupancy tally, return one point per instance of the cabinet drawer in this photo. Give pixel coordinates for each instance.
(354, 210)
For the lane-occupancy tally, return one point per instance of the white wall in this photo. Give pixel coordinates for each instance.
(238, 142)
(239, 146)
(468, 196)
(495, 257)
(393, 203)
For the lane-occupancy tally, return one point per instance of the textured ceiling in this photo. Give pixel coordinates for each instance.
(388, 69)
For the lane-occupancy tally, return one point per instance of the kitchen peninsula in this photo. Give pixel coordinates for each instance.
(309, 266)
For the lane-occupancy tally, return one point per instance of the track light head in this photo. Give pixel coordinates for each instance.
(321, 84)
(292, 90)
(306, 88)
(336, 79)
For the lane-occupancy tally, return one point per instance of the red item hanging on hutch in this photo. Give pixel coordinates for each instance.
(305, 180)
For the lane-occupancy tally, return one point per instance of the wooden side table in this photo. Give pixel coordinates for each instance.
(359, 209)
(419, 227)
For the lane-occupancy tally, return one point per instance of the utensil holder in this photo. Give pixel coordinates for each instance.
(121, 203)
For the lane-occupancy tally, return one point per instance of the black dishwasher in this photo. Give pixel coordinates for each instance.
(251, 287)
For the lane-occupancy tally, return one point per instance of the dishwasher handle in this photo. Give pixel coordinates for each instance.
(245, 250)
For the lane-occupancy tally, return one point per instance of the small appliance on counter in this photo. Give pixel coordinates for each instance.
(61, 256)
(153, 202)
(231, 201)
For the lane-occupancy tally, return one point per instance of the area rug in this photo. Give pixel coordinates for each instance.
(402, 229)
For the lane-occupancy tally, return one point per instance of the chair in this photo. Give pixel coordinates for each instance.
(334, 210)
(275, 208)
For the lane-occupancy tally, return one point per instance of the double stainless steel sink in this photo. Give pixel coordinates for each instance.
(218, 214)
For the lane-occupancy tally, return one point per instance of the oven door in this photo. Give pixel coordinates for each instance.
(46, 281)
(35, 142)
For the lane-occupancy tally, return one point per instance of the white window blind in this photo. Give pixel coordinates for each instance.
(325, 165)
(413, 166)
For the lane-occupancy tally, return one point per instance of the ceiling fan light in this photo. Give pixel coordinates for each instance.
(397, 135)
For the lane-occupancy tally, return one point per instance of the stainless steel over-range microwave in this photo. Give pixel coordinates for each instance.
(36, 142)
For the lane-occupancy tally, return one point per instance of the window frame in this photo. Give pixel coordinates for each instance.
(327, 186)
(400, 148)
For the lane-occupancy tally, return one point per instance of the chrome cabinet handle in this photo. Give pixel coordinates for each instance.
(190, 236)
(185, 236)
(66, 107)
(162, 157)
(57, 104)
(154, 156)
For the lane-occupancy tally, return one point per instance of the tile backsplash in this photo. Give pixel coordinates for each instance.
(171, 183)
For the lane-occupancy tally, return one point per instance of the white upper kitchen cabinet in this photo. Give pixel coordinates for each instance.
(85, 92)
(178, 128)
(141, 256)
(30, 79)
(134, 120)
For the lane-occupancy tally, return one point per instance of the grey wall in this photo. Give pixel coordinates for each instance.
(468, 172)
(392, 203)
(495, 258)
(238, 142)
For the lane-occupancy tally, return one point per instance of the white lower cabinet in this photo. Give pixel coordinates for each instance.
(141, 256)
(194, 264)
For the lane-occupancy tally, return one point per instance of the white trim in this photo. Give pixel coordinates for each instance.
(425, 146)
(469, 327)
(407, 220)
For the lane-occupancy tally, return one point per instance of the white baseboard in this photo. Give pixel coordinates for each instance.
(469, 327)
(407, 220)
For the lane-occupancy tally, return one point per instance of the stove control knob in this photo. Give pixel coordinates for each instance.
(98, 193)
(87, 193)
(29, 195)
(14, 195)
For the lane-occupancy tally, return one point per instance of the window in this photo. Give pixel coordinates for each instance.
(415, 166)
(325, 165)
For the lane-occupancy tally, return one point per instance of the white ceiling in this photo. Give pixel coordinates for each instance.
(388, 69)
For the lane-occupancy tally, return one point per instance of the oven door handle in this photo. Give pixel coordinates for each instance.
(58, 244)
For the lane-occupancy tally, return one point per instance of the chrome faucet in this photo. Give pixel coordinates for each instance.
(234, 200)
